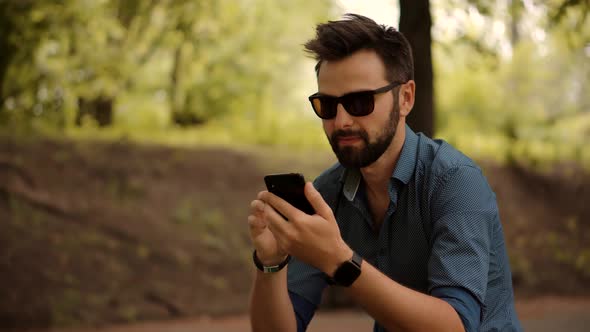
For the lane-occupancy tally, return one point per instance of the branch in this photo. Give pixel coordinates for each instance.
(173, 309)
(560, 13)
(24, 175)
(37, 202)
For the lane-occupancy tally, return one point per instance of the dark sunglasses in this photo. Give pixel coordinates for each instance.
(358, 103)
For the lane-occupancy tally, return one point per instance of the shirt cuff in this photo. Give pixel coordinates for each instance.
(464, 303)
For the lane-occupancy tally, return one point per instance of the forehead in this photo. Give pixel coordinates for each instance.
(363, 70)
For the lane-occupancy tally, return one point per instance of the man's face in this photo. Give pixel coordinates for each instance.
(359, 141)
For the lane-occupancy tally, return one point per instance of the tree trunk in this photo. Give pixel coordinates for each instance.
(100, 109)
(5, 60)
(8, 48)
(415, 23)
(516, 9)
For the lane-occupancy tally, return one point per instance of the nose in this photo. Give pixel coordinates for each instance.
(342, 120)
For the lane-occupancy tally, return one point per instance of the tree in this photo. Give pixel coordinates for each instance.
(415, 23)
(206, 58)
(23, 27)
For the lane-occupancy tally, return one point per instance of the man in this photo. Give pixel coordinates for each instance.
(407, 225)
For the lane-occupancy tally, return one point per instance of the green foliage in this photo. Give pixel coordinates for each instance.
(194, 60)
(235, 69)
(292, 130)
(530, 109)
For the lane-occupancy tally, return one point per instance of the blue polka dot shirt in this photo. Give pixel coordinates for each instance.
(441, 235)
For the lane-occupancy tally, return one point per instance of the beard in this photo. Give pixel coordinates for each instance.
(353, 157)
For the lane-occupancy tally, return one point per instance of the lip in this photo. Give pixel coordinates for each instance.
(347, 140)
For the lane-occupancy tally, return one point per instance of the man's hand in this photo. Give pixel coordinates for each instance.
(313, 239)
(267, 248)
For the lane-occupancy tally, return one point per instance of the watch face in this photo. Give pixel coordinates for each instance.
(348, 272)
(348, 269)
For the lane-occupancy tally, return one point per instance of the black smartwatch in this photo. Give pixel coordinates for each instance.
(348, 271)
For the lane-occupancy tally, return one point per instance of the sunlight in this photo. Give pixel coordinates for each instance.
(382, 11)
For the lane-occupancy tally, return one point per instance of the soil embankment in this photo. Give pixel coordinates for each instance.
(106, 233)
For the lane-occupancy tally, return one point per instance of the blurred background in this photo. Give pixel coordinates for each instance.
(134, 134)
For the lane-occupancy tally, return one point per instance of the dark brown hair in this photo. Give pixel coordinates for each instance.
(336, 40)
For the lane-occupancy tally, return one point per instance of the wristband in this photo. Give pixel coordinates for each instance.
(272, 268)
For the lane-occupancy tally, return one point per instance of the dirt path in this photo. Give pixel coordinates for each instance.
(542, 314)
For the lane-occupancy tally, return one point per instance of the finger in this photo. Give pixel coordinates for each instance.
(257, 205)
(253, 204)
(275, 222)
(280, 205)
(256, 222)
(317, 202)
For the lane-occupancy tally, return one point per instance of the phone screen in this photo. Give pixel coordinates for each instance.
(290, 187)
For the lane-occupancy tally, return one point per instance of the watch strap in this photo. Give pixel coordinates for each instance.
(270, 268)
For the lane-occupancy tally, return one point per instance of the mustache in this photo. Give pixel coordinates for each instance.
(347, 133)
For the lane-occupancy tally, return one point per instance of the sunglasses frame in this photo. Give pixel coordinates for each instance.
(343, 98)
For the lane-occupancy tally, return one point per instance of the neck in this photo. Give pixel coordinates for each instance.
(376, 175)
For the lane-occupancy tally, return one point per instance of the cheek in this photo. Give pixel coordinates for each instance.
(382, 112)
(384, 105)
(328, 127)
(375, 123)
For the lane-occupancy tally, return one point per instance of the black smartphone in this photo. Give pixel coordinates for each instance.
(289, 186)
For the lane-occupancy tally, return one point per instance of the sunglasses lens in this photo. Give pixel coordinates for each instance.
(359, 104)
(356, 104)
(324, 107)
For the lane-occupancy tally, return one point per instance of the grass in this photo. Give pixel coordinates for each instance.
(298, 132)
(295, 131)
(534, 153)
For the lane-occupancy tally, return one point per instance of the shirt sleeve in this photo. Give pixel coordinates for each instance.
(304, 311)
(306, 285)
(464, 213)
(306, 281)
(464, 304)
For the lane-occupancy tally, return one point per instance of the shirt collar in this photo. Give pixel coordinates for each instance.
(403, 170)
(407, 160)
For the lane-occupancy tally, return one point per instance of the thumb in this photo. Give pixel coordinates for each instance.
(317, 202)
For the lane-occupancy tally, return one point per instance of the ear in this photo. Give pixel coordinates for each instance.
(407, 93)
